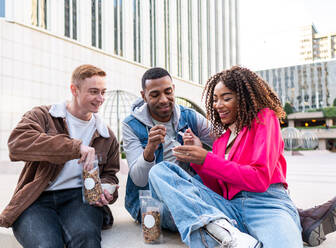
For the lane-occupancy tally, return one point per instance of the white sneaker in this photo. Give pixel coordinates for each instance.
(230, 237)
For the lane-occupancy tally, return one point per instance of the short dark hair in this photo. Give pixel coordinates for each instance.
(154, 73)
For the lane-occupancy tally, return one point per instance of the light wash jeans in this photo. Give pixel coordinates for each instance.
(57, 218)
(270, 217)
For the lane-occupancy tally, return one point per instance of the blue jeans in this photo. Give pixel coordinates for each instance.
(270, 217)
(59, 218)
(167, 221)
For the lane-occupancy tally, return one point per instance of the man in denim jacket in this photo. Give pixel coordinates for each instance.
(152, 130)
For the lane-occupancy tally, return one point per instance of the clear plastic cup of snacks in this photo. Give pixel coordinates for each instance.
(91, 188)
(151, 212)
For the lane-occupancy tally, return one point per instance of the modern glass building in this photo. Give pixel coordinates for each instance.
(305, 86)
(193, 39)
(42, 41)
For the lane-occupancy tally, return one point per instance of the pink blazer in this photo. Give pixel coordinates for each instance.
(255, 160)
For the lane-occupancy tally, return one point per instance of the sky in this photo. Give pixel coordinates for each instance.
(269, 29)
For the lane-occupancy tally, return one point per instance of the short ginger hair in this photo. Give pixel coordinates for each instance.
(85, 71)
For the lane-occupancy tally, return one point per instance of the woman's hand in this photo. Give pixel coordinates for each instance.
(189, 153)
(189, 138)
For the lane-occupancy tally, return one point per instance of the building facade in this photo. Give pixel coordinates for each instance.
(42, 41)
(315, 46)
(192, 39)
(305, 86)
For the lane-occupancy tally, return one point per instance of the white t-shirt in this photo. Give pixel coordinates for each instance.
(232, 138)
(70, 175)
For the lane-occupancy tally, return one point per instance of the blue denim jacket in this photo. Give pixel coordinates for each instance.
(187, 120)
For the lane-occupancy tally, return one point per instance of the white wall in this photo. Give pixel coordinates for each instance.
(36, 66)
(20, 11)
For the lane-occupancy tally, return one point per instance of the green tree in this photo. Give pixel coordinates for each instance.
(288, 108)
(334, 103)
(329, 112)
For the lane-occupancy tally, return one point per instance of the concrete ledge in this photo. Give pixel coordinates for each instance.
(7, 239)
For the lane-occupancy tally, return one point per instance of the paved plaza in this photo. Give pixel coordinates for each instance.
(311, 178)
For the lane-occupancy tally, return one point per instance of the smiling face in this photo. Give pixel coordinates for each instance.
(88, 96)
(159, 95)
(225, 103)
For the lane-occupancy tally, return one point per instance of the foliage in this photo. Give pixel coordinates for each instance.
(334, 103)
(288, 108)
(329, 112)
(314, 127)
(314, 110)
(122, 152)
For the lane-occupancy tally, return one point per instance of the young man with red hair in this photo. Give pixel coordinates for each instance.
(56, 141)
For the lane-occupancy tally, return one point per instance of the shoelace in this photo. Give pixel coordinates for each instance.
(229, 244)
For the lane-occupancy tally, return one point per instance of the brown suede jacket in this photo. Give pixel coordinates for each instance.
(41, 139)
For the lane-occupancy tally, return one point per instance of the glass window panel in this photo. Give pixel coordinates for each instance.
(93, 22)
(99, 23)
(74, 19)
(2, 8)
(121, 28)
(67, 18)
(116, 26)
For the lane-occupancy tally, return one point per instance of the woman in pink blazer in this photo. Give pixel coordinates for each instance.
(240, 198)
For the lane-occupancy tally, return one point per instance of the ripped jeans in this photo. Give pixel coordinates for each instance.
(270, 217)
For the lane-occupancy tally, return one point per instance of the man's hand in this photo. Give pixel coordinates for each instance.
(105, 198)
(190, 154)
(155, 137)
(87, 156)
(189, 138)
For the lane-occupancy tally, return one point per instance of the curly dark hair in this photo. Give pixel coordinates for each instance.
(252, 92)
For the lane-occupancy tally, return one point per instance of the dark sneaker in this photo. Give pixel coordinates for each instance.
(317, 222)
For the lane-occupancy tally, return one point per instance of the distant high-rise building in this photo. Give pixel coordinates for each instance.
(312, 84)
(315, 46)
(305, 86)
